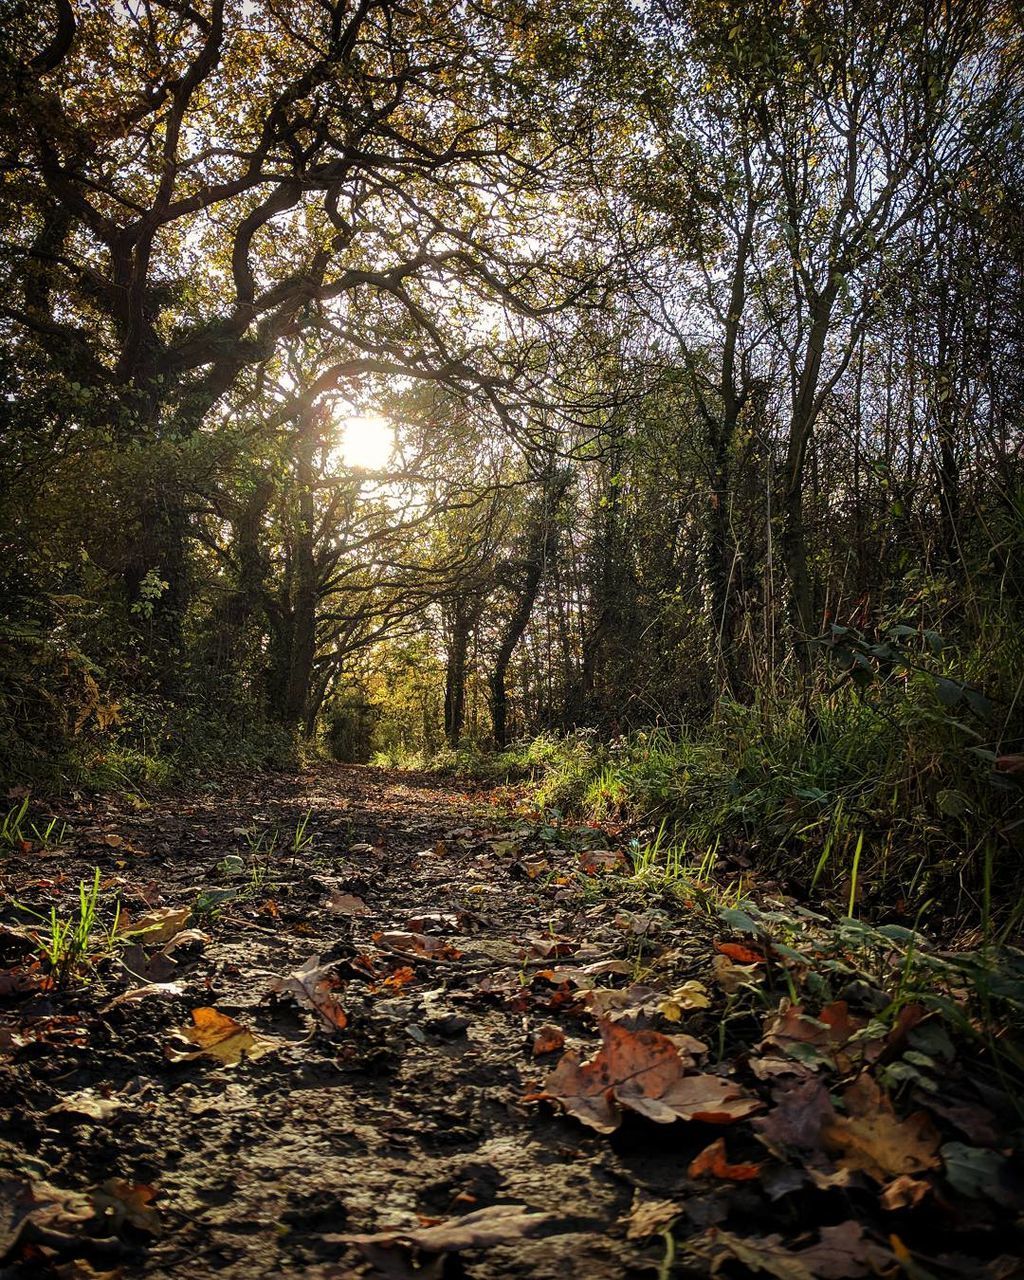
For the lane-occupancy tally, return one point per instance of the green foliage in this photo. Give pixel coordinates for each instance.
(878, 805)
(71, 945)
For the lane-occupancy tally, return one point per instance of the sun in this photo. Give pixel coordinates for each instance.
(366, 441)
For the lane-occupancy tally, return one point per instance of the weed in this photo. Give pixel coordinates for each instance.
(301, 838)
(53, 835)
(70, 945)
(12, 827)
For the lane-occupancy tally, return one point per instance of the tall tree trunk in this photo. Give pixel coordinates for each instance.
(304, 601)
(541, 541)
(463, 620)
(793, 539)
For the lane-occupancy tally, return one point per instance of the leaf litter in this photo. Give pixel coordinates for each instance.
(451, 1053)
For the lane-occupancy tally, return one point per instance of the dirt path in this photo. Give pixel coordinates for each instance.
(438, 928)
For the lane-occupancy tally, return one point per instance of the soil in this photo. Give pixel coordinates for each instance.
(441, 923)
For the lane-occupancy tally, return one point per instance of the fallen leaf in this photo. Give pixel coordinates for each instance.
(845, 1252)
(220, 1037)
(642, 1000)
(738, 953)
(346, 904)
(187, 938)
(872, 1139)
(842, 1252)
(815, 1041)
(904, 1192)
(156, 926)
(313, 986)
(536, 867)
(23, 979)
(548, 1039)
(796, 1120)
(730, 977)
(549, 948)
(714, 1163)
(34, 1204)
(142, 967)
(433, 922)
(980, 1174)
(691, 995)
(641, 1070)
(601, 861)
(87, 1106)
(400, 978)
(419, 944)
(650, 1217)
(119, 1202)
(478, 1230)
(142, 993)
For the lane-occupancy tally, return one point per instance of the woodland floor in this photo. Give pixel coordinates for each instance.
(448, 937)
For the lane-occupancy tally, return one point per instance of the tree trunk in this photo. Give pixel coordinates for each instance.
(540, 545)
(304, 601)
(462, 623)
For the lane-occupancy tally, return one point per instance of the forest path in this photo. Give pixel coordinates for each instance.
(403, 964)
(415, 892)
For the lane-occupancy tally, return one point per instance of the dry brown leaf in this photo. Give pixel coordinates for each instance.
(220, 1037)
(816, 1041)
(184, 939)
(87, 1105)
(872, 1139)
(346, 904)
(650, 1217)
(642, 1000)
(142, 993)
(601, 861)
(797, 1119)
(843, 1252)
(419, 944)
(26, 1204)
(904, 1192)
(730, 977)
(313, 986)
(641, 1070)
(713, 1162)
(548, 1039)
(156, 926)
(691, 995)
(433, 922)
(118, 1202)
(478, 1230)
(550, 948)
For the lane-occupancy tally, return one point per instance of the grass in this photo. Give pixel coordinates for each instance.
(266, 849)
(877, 802)
(70, 945)
(12, 826)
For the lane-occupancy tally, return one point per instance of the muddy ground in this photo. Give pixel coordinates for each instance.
(438, 925)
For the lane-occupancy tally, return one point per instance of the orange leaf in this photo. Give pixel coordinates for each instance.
(714, 1163)
(741, 954)
(400, 978)
(548, 1039)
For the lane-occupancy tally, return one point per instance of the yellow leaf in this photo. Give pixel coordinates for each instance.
(220, 1037)
(691, 995)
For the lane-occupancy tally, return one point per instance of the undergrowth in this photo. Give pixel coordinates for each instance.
(895, 796)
